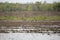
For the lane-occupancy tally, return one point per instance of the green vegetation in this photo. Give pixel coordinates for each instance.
(30, 18)
(56, 6)
(38, 6)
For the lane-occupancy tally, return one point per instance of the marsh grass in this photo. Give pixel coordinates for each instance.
(30, 18)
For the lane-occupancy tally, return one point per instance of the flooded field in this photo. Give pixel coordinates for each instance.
(30, 29)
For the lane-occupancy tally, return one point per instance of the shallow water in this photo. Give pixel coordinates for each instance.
(29, 36)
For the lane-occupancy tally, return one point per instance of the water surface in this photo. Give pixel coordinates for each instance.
(29, 36)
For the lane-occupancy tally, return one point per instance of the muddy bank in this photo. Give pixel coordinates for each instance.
(21, 26)
(27, 23)
(30, 13)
